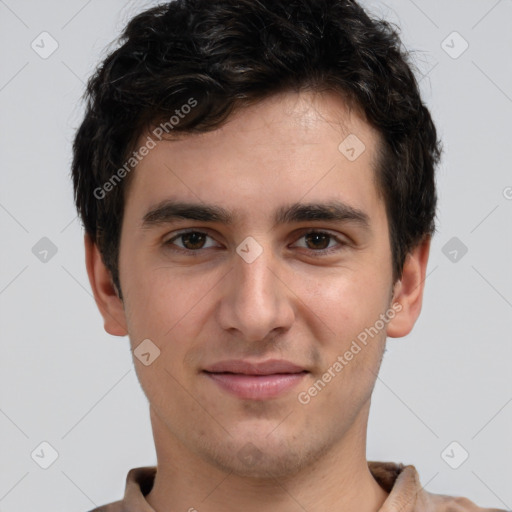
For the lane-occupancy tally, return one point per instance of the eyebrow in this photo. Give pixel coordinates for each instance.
(169, 210)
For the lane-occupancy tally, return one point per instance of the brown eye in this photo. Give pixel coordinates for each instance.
(319, 242)
(193, 240)
(190, 241)
(318, 239)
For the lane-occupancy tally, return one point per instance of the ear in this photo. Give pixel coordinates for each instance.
(408, 291)
(105, 294)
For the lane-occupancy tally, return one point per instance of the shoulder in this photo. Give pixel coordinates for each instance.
(445, 503)
(407, 494)
(139, 482)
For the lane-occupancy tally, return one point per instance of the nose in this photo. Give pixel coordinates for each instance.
(256, 299)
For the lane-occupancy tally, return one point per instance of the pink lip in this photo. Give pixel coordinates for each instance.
(269, 367)
(255, 381)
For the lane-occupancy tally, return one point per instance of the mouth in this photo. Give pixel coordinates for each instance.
(255, 380)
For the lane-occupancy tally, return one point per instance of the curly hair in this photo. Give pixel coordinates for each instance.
(227, 54)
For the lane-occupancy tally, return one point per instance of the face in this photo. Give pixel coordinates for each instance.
(270, 295)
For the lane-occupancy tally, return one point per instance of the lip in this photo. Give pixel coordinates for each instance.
(255, 380)
(242, 366)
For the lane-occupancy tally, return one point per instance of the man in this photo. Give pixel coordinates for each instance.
(256, 181)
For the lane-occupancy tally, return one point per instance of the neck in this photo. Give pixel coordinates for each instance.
(337, 480)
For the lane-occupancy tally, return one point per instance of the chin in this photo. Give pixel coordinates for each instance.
(260, 457)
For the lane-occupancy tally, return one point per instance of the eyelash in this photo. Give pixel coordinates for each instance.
(196, 252)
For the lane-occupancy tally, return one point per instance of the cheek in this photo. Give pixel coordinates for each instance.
(160, 308)
(345, 299)
(164, 302)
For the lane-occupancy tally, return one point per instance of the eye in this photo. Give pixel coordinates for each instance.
(319, 241)
(192, 241)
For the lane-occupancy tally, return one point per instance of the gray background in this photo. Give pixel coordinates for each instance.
(65, 381)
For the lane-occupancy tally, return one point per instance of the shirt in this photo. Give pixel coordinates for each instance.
(401, 482)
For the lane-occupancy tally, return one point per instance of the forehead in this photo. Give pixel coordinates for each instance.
(288, 147)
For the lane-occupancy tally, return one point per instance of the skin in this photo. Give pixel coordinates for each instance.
(286, 304)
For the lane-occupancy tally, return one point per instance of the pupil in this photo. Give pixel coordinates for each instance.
(319, 236)
(197, 239)
(192, 238)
